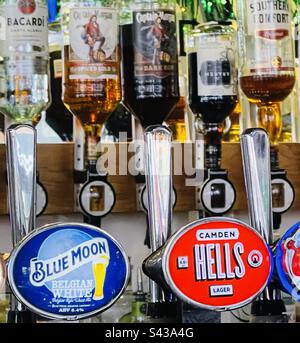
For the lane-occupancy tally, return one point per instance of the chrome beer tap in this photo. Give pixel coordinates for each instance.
(21, 167)
(257, 172)
(158, 167)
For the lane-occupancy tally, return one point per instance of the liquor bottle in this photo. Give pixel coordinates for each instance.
(24, 81)
(295, 95)
(91, 69)
(57, 115)
(119, 124)
(217, 10)
(267, 62)
(176, 121)
(212, 82)
(287, 117)
(138, 305)
(233, 135)
(149, 54)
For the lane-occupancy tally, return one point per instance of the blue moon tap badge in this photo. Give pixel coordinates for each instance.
(288, 261)
(68, 271)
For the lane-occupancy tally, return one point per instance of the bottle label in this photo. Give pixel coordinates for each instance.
(270, 23)
(22, 25)
(216, 68)
(57, 66)
(155, 53)
(93, 44)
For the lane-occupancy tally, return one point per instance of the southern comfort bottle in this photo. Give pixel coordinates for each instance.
(267, 61)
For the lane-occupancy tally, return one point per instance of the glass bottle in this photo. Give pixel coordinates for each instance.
(212, 82)
(295, 118)
(233, 135)
(150, 61)
(57, 116)
(217, 10)
(138, 305)
(24, 62)
(267, 61)
(176, 121)
(91, 68)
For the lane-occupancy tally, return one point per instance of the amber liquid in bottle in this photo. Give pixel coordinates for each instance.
(267, 91)
(176, 121)
(91, 101)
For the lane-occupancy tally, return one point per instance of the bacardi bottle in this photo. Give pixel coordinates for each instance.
(24, 81)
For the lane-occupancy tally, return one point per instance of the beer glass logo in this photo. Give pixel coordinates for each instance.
(60, 273)
(27, 6)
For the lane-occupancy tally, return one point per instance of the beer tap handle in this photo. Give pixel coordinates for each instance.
(257, 172)
(21, 171)
(21, 167)
(158, 150)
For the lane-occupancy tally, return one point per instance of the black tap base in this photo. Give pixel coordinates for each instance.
(26, 316)
(163, 310)
(268, 308)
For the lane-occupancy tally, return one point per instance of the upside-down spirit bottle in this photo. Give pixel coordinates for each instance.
(57, 115)
(149, 54)
(267, 61)
(212, 82)
(24, 80)
(91, 69)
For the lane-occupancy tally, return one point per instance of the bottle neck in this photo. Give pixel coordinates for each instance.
(213, 145)
(269, 118)
(92, 140)
(136, 310)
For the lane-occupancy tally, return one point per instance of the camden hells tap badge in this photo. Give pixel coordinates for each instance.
(288, 261)
(68, 271)
(218, 264)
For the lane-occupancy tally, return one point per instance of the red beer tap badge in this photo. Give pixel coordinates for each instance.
(288, 261)
(218, 264)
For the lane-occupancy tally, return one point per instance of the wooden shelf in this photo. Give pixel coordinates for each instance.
(55, 167)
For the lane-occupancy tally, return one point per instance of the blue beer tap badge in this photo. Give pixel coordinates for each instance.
(68, 271)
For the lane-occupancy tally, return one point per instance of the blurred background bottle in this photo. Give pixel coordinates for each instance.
(137, 312)
(58, 117)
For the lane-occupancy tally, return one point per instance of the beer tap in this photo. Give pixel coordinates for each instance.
(34, 248)
(257, 172)
(158, 141)
(151, 92)
(21, 167)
